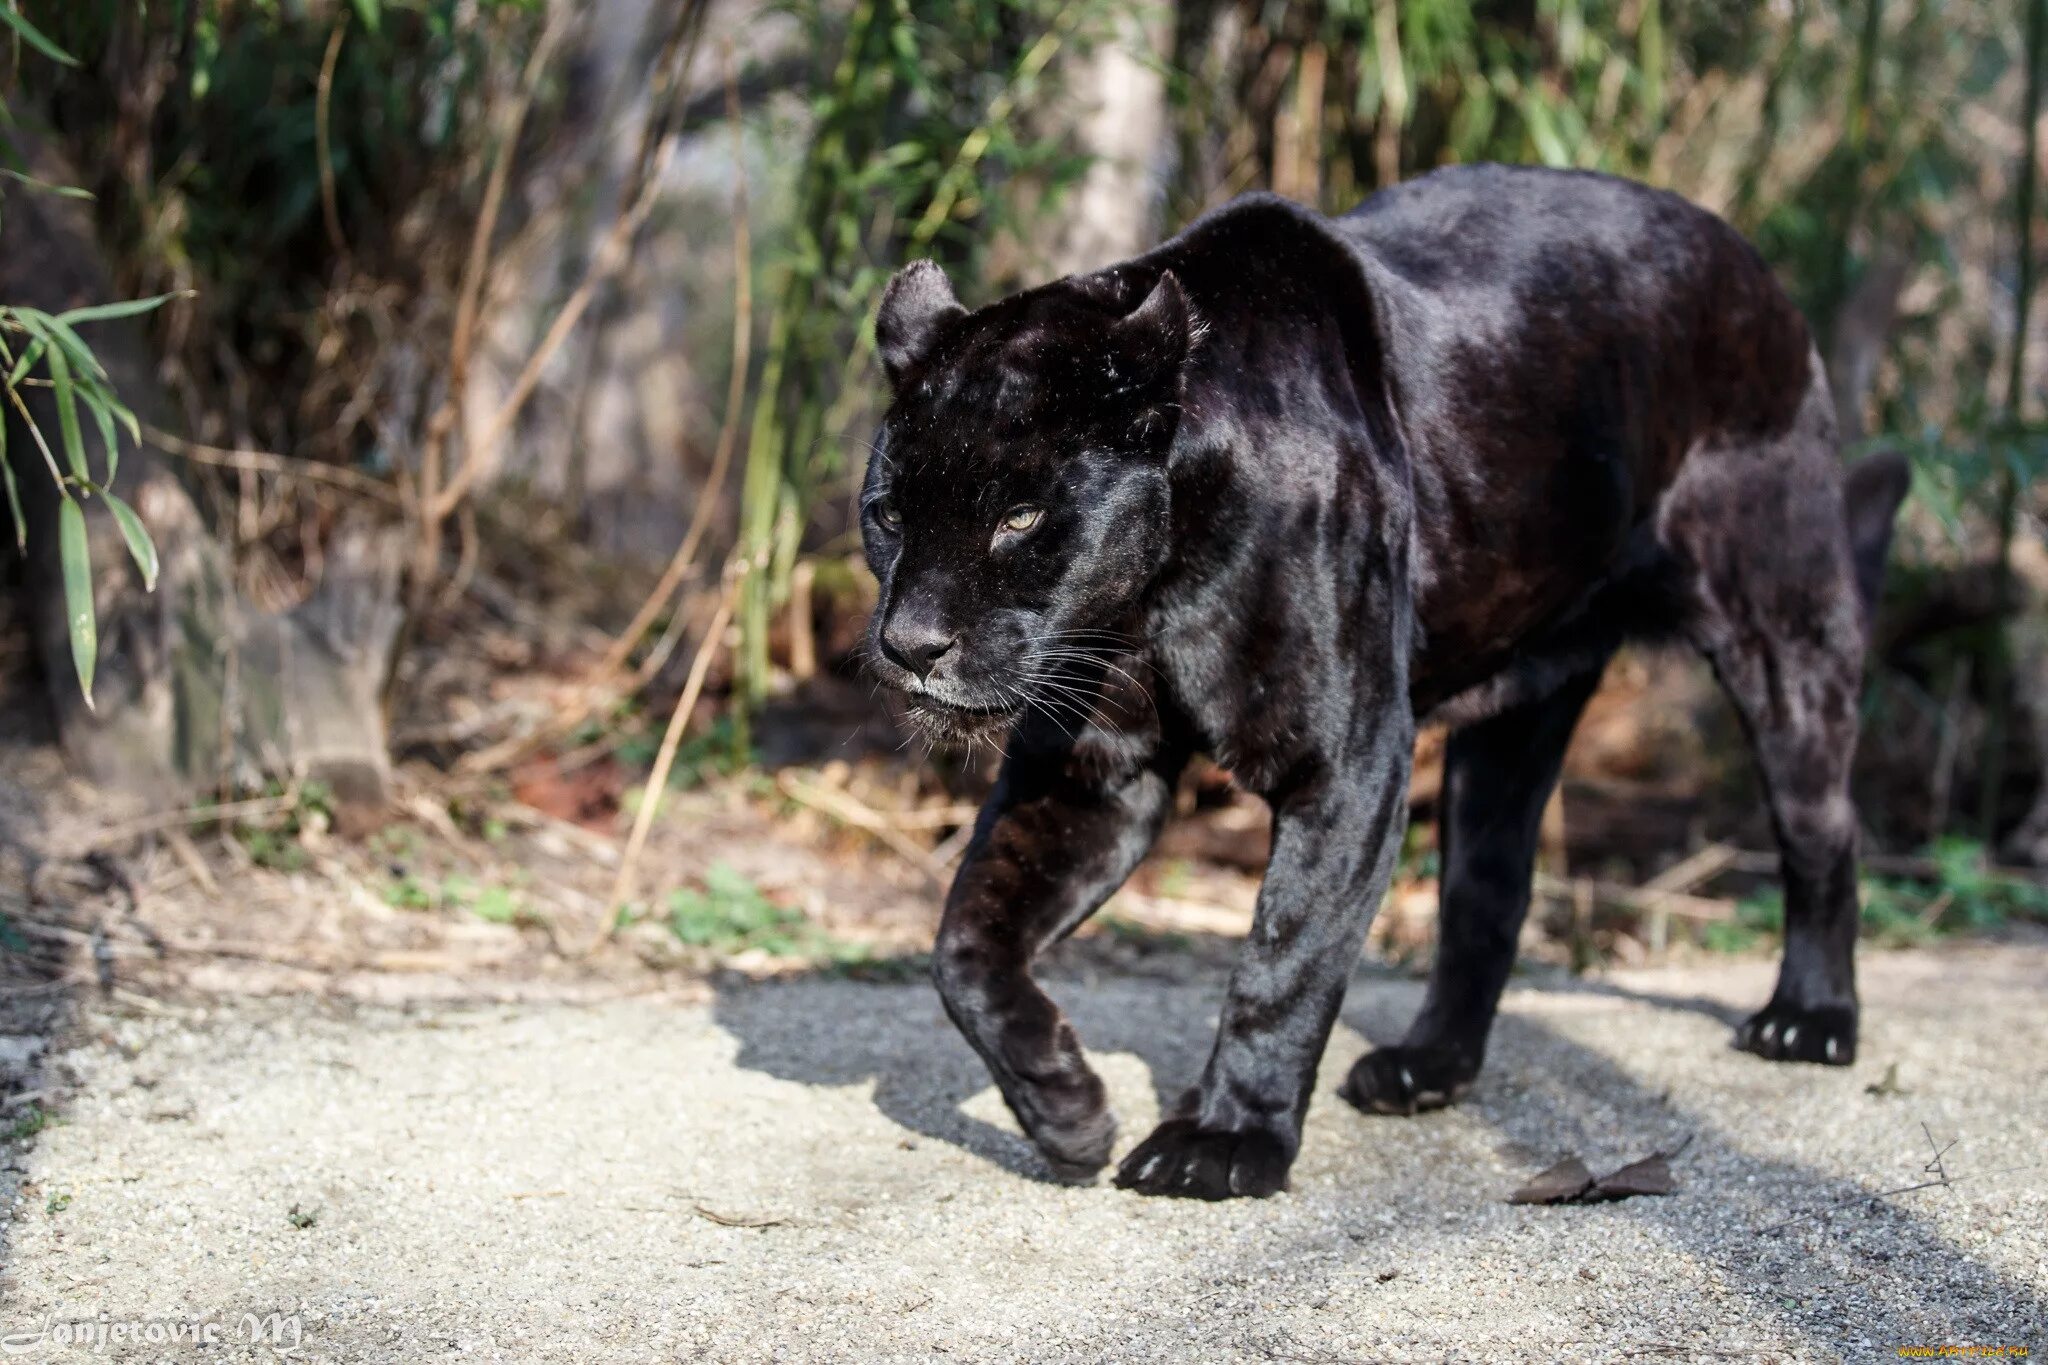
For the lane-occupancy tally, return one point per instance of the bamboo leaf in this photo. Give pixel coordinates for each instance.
(30, 354)
(101, 404)
(139, 544)
(83, 361)
(63, 191)
(13, 493)
(126, 308)
(126, 417)
(33, 36)
(78, 610)
(67, 415)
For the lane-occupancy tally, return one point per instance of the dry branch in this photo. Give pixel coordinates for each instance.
(849, 811)
(323, 109)
(735, 398)
(599, 693)
(475, 270)
(1636, 900)
(657, 780)
(265, 462)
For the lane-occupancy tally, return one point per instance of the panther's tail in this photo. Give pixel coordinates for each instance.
(1875, 487)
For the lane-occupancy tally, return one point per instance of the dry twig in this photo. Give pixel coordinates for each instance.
(848, 811)
(657, 780)
(599, 693)
(265, 462)
(323, 107)
(432, 508)
(192, 815)
(1936, 1167)
(1637, 900)
(735, 396)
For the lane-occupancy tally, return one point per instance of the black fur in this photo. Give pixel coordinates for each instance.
(1286, 484)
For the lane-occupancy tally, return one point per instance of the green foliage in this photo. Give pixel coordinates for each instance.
(1966, 896)
(498, 905)
(76, 559)
(1978, 897)
(76, 379)
(722, 749)
(33, 1120)
(492, 902)
(225, 171)
(274, 849)
(917, 149)
(409, 892)
(277, 841)
(18, 22)
(730, 915)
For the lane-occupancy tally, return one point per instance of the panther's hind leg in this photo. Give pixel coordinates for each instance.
(1498, 775)
(1765, 528)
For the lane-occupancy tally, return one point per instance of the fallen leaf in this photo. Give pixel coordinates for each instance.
(1561, 1184)
(1651, 1175)
(1569, 1182)
(1889, 1085)
(587, 795)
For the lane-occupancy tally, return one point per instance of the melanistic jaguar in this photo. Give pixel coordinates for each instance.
(1286, 484)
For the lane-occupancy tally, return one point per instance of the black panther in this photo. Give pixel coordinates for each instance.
(1285, 485)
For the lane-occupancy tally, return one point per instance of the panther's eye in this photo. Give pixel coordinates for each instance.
(1022, 519)
(887, 515)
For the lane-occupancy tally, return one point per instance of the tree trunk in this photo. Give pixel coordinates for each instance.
(1116, 102)
(195, 690)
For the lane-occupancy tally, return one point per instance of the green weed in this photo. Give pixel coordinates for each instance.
(277, 842)
(731, 915)
(493, 902)
(32, 1121)
(1966, 896)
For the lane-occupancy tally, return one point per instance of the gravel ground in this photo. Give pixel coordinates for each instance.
(816, 1170)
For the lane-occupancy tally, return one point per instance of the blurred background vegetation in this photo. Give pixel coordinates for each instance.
(514, 368)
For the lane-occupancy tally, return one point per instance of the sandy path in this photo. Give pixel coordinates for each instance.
(542, 1183)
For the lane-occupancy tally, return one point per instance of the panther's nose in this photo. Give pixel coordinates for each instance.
(916, 645)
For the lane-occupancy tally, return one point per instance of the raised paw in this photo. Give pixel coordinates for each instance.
(1784, 1032)
(1186, 1161)
(1077, 1145)
(1409, 1080)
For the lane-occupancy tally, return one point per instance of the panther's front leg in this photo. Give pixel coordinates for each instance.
(1057, 837)
(1335, 839)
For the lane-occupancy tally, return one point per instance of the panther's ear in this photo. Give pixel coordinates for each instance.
(1149, 344)
(917, 303)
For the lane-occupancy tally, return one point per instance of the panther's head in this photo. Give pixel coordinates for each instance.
(1016, 505)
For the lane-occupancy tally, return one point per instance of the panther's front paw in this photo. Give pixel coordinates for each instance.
(1187, 1161)
(1409, 1080)
(1785, 1032)
(1076, 1146)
